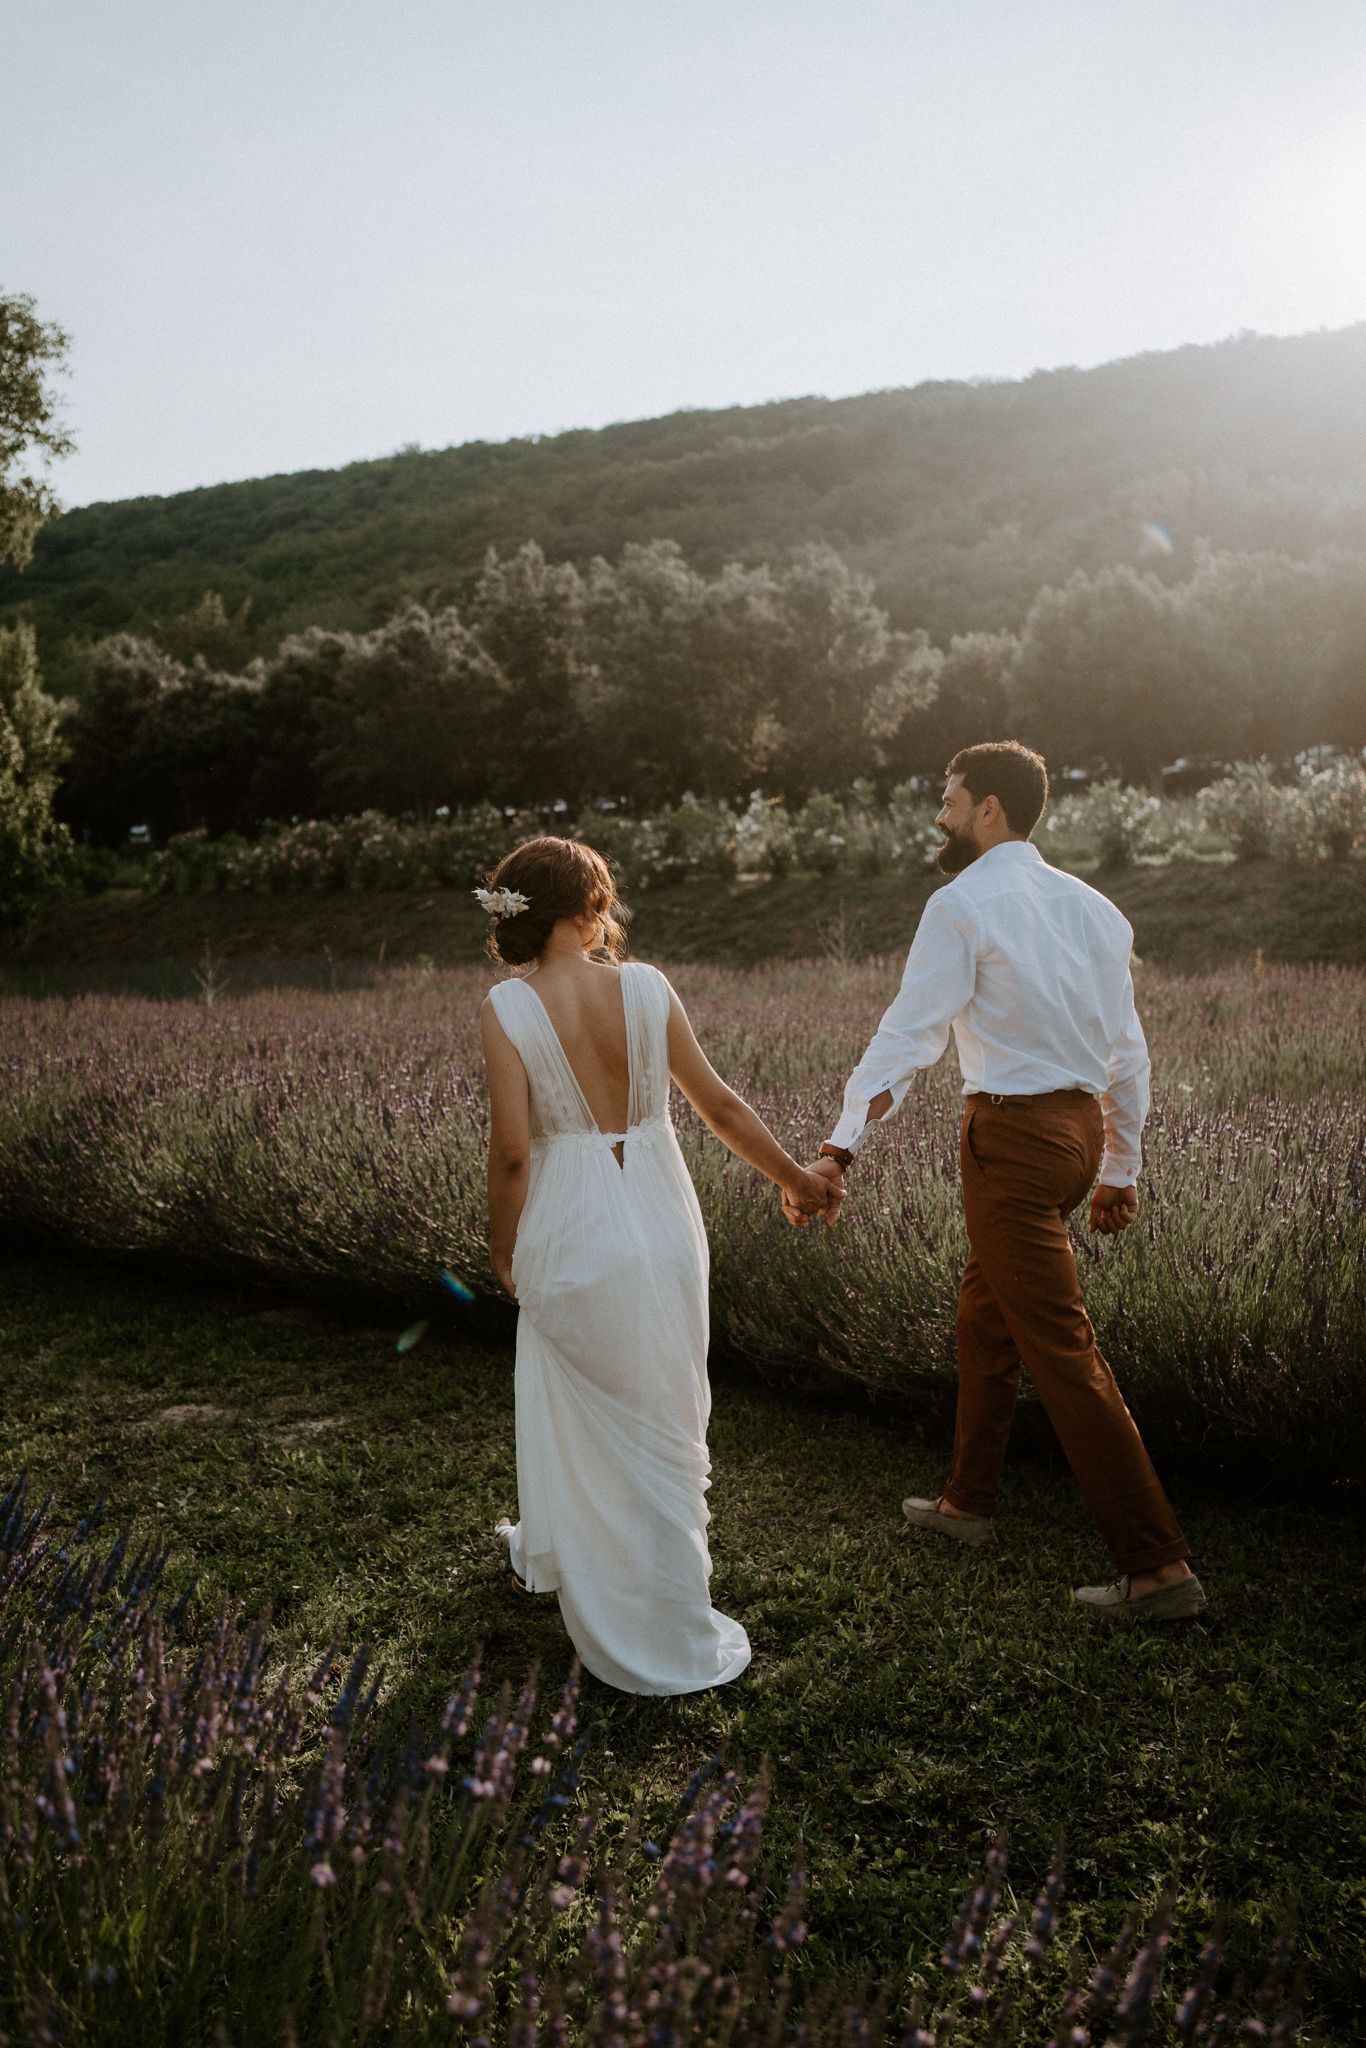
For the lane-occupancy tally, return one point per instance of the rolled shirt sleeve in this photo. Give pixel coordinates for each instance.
(937, 984)
(1124, 1104)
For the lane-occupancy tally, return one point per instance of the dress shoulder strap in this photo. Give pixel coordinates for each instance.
(513, 1012)
(645, 999)
(557, 1101)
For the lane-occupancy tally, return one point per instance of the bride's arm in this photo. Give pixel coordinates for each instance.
(734, 1122)
(509, 1142)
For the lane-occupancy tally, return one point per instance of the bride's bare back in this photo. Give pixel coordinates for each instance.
(583, 1000)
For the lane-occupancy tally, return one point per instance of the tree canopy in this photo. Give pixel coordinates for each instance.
(33, 848)
(31, 353)
(646, 679)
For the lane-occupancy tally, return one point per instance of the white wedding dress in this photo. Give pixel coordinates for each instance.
(610, 1269)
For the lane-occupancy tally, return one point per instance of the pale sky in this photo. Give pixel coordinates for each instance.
(288, 234)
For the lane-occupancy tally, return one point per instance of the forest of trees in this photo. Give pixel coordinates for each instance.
(644, 679)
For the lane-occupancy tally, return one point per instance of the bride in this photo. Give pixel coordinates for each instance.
(594, 1228)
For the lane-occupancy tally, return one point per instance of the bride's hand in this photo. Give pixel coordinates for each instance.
(503, 1273)
(814, 1191)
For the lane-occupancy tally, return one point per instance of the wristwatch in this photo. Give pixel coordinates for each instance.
(843, 1159)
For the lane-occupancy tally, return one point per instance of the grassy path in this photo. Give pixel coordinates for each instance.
(914, 1699)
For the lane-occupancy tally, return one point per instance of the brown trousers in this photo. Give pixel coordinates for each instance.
(1027, 1162)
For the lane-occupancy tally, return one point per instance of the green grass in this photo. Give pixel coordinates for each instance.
(913, 1698)
(1189, 916)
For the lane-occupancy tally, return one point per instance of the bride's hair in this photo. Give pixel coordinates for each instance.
(559, 878)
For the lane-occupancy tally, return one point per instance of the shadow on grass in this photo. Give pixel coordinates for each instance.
(1247, 1476)
(913, 1698)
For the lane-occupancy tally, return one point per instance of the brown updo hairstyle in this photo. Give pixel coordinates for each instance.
(559, 878)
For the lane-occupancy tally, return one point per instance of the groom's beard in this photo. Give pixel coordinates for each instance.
(957, 852)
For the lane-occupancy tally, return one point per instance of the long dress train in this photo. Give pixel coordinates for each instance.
(612, 1396)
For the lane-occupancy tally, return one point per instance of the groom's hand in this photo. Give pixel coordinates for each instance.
(826, 1185)
(808, 1194)
(1113, 1210)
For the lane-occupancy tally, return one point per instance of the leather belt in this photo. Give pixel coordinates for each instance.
(1046, 1095)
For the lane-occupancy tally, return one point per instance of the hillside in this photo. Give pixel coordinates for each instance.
(960, 499)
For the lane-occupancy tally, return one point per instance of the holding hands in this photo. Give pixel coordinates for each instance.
(817, 1190)
(829, 1168)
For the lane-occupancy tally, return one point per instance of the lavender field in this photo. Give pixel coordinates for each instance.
(335, 1142)
(205, 1844)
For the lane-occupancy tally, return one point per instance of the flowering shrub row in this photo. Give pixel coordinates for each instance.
(365, 852)
(198, 1843)
(1250, 814)
(1320, 815)
(678, 843)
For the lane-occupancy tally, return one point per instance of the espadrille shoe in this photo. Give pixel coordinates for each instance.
(927, 1514)
(502, 1529)
(1169, 1603)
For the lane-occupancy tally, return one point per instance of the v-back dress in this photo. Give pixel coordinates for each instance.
(612, 1397)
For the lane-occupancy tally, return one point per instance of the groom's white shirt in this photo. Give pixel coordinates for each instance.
(1029, 968)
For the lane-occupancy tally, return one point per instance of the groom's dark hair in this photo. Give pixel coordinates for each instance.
(1011, 772)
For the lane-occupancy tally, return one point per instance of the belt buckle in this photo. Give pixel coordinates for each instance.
(997, 1099)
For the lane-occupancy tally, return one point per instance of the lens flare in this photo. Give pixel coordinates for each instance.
(1156, 539)
(456, 1287)
(412, 1335)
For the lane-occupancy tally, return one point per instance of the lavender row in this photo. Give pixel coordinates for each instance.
(199, 1842)
(337, 1142)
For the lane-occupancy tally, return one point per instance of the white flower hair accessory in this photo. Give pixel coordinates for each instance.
(502, 902)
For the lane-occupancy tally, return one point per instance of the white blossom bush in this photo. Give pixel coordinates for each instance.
(915, 836)
(194, 864)
(460, 848)
(871, 832)
(371, 851)
(821, 841)
(764, 839)
(1324, 816)
(690, 838)
(1320, 816)
(624, 841)
(1244, 807)
(1110, 823)
(387, 857)
(677, 844)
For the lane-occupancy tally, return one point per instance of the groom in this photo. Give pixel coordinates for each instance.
(1029, 968)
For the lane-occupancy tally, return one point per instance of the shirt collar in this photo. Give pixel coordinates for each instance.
(1006, 850)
